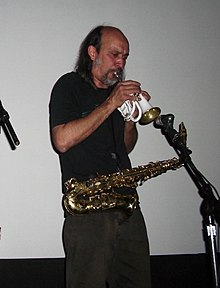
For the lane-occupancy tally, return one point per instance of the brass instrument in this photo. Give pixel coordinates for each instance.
(146, 112)
(97, 193)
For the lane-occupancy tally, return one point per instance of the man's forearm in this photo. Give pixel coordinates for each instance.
(130, 135)
(72, 133)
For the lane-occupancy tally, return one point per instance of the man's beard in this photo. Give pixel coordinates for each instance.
(112, 76)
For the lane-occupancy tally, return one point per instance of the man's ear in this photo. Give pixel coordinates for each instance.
(92, 52)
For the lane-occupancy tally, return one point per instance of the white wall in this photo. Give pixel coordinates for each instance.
(174, 54)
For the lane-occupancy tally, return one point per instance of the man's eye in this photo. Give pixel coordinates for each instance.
(115, 55)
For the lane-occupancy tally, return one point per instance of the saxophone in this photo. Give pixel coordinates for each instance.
(97, 193)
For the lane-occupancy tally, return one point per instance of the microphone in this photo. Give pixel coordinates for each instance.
(166, 124)
(165, 121)
(173, 137)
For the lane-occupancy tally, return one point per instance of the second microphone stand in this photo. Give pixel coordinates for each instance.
(7, 128)
(210, 207)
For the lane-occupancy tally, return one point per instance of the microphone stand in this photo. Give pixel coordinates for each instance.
(7, 128)
(210, 207)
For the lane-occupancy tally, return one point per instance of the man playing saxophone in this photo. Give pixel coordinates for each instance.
(108, 247)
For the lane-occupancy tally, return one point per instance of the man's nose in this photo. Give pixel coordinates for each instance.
(120, 62)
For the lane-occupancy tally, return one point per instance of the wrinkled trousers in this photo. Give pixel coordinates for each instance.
(106, 250)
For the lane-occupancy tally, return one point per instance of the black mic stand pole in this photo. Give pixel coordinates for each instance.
(7, 128)
(210, 207)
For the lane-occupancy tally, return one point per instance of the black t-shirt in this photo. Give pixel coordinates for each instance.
(72, 98)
